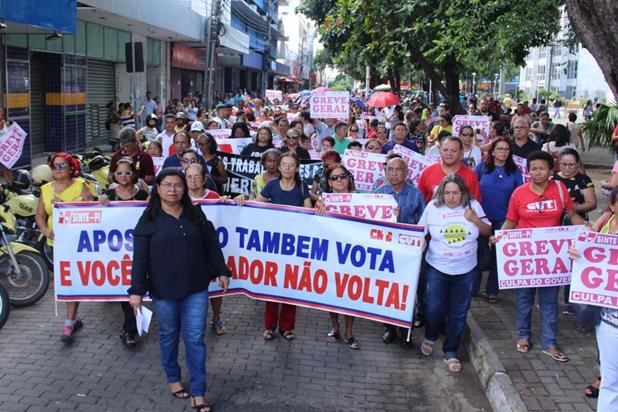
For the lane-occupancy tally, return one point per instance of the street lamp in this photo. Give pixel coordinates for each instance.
(473, 83)
(496, 75)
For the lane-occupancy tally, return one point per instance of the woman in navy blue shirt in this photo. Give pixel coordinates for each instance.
(176, 254)
(289, 190)
(498, 177)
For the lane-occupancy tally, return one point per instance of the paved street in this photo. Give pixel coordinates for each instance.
(39, 373)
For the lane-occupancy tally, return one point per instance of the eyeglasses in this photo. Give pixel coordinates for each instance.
(189, 160)
(568, 164)
(60, 166)
(129, 173)
(287, 165)
(341, 176)
(173, 186)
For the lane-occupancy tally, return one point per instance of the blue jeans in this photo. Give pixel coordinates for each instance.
(548, 302)
(189, 315)
(450, 296)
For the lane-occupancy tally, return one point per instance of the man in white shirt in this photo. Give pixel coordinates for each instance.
(220, 118)
(166, 137)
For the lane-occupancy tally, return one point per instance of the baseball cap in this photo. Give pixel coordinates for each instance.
(197, 126)
(181, 115)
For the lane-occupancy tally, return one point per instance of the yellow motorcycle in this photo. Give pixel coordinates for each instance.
(23, 273)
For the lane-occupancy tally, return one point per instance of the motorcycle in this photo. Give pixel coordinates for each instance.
(4, 306)
(23, 272)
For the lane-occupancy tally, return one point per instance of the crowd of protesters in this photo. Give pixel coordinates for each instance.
(474, 181)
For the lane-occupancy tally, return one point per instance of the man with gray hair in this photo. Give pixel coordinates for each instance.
(411, 205)
(129, 147)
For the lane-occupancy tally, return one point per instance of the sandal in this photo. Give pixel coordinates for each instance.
(333, 336)
(592, 391)
(287, 334)
(128, 339)
(454, 365)
(427, 347)
(218, 327)
(352, 343)
(556, 355)
(523, 346)
(492, 299)
(204, 407)
(268, 334)
(180, 394)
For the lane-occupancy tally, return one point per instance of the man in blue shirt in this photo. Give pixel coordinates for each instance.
(400, 137)
(411, 205)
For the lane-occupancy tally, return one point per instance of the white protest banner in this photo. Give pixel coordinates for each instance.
(11, 144)
(219, 133)
(276, 253)
(531, 258)
(274, 94)
(158, 163)
(365, 167)
(595, 276)
(416, 162)
(234, 146)
(520, 162)
(374, 206)
(476, 122)
(329, 105)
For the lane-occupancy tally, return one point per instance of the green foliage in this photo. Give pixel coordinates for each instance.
(341, 83)
(547, 94)
(600, 128)
(441, 38)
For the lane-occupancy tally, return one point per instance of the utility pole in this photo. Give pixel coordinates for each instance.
(266, 63)
(212, 34)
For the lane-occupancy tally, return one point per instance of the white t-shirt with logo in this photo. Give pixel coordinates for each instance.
(453, 246)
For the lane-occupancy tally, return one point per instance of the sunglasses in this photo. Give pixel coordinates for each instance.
(60, 166)
(341, 176)
(189, 160)
(292, 136)
(354, 130)
(126, 174)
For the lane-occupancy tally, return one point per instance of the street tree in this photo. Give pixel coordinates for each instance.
(442, 38)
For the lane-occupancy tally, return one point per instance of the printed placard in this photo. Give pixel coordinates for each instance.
(531, 258)
(219, 133)
(11, 144)
(234, 146)
(329, 104)
(595, 276)
(416, 162)
(520, 162)
(274, 94)
(276, 253)
(374, 206)
(476, 122)
(158, 163)
(365, 167)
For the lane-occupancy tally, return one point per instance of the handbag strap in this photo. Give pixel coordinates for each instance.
(560, 192)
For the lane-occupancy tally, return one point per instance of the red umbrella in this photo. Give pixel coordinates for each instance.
(383, 99)
(321, 89)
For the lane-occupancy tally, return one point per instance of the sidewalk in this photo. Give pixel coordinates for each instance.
(541, 383)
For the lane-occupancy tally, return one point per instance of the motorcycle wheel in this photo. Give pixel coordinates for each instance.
(47, 253)
(30, 284)
(4, 306)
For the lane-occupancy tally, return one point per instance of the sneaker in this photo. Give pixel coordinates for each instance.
(568, 310)
(68, 332)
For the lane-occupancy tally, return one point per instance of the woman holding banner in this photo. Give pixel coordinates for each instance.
(319, 184)
(178, 279)
(607, 329)
(125, 177)
(287, 189)
(339, 180)
(269, 160)
(539, 203)
(66, 187)
(498, 178)
(454, 220)
(208, 145)
(262, 142)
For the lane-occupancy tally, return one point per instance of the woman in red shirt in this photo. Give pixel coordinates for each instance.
(539, 203)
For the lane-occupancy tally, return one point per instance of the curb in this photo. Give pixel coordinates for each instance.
(500, 390)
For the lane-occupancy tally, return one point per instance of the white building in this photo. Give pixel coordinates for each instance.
(298, 48)
(573, 73)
